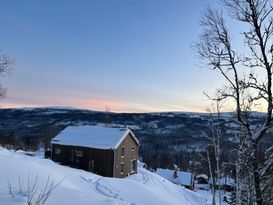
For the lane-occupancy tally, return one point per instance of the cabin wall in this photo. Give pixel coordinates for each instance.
(130, 153)
(98, 161)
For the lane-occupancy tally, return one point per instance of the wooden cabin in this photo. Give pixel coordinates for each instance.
(109, 152)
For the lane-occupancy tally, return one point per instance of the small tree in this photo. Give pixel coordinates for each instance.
(215, 47)
(5, 65)
(108, 119)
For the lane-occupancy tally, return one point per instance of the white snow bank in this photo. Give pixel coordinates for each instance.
(81, 187)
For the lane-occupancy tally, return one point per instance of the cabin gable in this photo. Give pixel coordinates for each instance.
(126, 156)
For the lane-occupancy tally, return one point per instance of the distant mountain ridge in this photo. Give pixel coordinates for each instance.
(169, 134)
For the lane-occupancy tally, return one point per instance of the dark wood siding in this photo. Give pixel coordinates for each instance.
(102, 164)
(130, 149)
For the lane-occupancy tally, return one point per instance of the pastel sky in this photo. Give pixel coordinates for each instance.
(132, 55)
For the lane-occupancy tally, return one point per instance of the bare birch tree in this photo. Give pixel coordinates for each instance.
(216, 48)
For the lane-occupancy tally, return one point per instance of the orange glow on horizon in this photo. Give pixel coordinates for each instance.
(92, 105)
(99, 104)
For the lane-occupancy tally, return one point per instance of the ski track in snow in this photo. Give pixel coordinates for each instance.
(101, 188)
(104, 190)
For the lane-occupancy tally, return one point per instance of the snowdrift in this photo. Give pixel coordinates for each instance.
(19, 173)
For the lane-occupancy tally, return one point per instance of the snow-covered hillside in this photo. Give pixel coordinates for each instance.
(81, 187)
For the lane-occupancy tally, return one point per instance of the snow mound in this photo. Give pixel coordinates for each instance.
(81, 187)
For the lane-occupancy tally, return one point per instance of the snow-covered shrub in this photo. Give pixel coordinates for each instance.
(30, 190)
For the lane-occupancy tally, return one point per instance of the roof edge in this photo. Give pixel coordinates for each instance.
(123, 137)
(82, 146)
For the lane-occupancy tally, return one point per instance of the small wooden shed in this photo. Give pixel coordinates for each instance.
(110, 152)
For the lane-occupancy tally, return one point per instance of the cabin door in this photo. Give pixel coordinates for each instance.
(91, 166)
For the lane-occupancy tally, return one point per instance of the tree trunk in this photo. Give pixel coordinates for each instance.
(213, 180)
(257, 182)
(238, 181)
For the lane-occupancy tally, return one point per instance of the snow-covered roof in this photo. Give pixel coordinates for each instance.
(202, 176)
(93, 136)
(184, 178)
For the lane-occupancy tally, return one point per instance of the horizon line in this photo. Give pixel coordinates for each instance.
(95, 110)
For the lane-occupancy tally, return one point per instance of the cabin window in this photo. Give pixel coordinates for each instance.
(132, 149)
(57, 150)
(122, 168)
(122, 151)
(78, 153)
(133, 166)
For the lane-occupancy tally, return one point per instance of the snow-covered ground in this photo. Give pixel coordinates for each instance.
(205, 191)
(19, 172)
